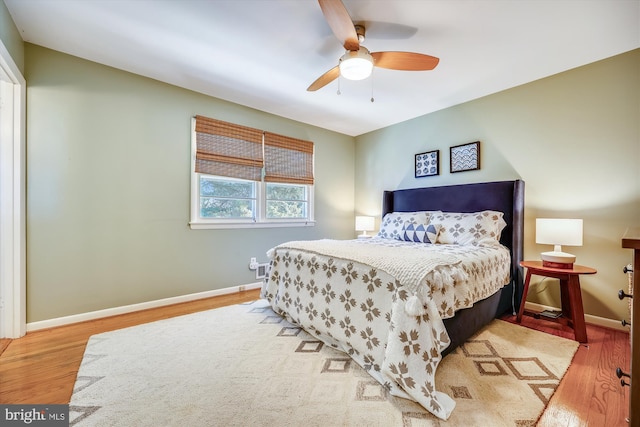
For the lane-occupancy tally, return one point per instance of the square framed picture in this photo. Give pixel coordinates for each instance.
(428, 164)
(465, 157)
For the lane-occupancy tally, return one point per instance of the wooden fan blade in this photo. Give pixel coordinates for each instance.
(340, 22)
(325, 79)
(406, 61)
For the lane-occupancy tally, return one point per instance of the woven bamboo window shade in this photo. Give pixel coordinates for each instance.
(227, 149)
(288, 160)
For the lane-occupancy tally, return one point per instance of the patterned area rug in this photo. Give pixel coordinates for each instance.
(244, 365)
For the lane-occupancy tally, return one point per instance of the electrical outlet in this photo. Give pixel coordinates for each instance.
(253, 264)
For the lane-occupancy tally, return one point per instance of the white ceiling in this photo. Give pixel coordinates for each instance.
(265, 53)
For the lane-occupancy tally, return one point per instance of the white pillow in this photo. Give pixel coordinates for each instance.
(477, 228)
(393, 222)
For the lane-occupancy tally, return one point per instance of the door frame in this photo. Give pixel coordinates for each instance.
(13, 313)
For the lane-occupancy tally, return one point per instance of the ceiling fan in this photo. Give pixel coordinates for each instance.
(357, 63)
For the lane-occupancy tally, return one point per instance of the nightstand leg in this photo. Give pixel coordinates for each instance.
(524, 296)
(577, 310)
(565, 300)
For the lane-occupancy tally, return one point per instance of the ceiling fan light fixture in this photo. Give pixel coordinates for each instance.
(356, 65)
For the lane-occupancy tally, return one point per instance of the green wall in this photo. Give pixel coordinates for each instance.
(574, 138)
(11, 38)
(108, 185)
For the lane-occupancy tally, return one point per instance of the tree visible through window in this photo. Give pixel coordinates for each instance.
(286, 201)
(226, 198)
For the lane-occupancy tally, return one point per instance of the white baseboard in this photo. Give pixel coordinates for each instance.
(92, 315)
(588, 318)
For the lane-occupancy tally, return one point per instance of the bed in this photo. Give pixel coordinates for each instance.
(396, 305)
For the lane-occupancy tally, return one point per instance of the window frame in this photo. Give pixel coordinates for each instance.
(265, 200)
(255, 201)
(260, 220)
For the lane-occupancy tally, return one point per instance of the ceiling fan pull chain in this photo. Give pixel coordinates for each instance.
(338, 92)
(372, 87)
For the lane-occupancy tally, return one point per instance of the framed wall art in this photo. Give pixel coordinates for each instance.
(465, 157)
(427, 164)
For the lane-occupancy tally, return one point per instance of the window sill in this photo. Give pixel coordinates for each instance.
(229, 225)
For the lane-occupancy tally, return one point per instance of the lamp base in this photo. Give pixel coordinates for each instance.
(562, 265)
(557, 260)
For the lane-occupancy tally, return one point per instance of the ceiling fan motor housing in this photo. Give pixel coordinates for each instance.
(360, 32)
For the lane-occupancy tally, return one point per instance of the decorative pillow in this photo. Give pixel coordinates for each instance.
(392, 223)
(478, 228)
(420, 233)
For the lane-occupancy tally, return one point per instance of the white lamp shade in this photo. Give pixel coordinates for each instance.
(365, 223)
(555, 231)
(558, 232)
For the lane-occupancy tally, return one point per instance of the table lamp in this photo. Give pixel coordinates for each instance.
(364, 224)
(558, 232)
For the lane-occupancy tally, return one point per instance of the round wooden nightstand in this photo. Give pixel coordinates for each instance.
(570, 295)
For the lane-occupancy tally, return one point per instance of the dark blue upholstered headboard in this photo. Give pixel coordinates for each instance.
(503, 196)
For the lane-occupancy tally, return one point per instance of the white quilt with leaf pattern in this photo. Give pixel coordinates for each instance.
(386, 314)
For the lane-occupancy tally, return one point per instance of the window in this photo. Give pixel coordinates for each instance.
(244, 177)
(286, 201)
(227, 198)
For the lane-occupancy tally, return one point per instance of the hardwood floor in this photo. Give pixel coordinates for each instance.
(42, 366)
(590, 394)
